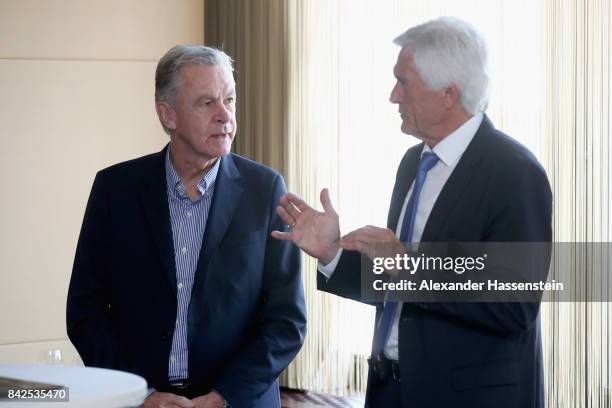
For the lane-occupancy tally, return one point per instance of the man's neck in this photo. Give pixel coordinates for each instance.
(190, 169)
(443, 129)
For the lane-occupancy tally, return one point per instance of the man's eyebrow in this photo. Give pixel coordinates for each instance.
(231, 93)
(205, 97)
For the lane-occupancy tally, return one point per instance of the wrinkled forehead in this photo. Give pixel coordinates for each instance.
(202, 75)
(404, 64)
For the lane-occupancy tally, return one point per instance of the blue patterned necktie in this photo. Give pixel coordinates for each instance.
(383, 330)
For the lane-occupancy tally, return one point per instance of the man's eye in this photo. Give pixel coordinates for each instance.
(230, 100)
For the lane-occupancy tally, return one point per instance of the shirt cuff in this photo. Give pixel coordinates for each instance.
(328, 270)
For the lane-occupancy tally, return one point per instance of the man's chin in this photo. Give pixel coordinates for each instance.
(212, 153)
(220, 147)
(223, 151)
(408, 130)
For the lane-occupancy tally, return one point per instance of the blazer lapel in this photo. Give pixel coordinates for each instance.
(457, 182)
(154, 197)
(228, 190)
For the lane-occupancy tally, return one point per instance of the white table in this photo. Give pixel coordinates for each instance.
(88, 387)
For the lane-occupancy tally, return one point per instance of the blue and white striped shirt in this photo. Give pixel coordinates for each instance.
(188, 219)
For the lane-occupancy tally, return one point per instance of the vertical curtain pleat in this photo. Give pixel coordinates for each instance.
(577, 335)
(254, 33)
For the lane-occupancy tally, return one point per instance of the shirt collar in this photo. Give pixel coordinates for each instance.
(450, 149)
(174, 181)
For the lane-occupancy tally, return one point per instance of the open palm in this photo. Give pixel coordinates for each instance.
(316, 233)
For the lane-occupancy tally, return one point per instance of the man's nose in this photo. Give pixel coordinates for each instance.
(395, 96)
(223, 114)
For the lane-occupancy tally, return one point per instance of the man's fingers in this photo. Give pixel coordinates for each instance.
(168, 400)
(356, 234)
(285, 216)
(354, 244)
(351, 245)
(371, 234)
(181, 401)
(326, 202)
(283, 236)
(351, 236)
(361, 234)
(369, 240)
(296, 200)
(374, 228)
(359, 246)
(381, 234)
(289, 207)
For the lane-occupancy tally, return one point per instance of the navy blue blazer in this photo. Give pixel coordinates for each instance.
(470, 354)
(247, 316)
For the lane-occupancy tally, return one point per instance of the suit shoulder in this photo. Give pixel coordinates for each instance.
(513, 172)
(134, 169)
(509, 155)
(249, 168)
(262, 184)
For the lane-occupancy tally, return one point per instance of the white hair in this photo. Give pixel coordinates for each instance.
(450, 51)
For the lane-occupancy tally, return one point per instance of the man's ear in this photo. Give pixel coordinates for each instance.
(451, 96)
(166, 114)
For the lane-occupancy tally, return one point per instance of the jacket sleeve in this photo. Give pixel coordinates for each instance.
(282, 325)
(89, 308)
(345, 281)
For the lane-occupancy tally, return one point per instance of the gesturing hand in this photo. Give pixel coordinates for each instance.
(374, 242)
(316, 233)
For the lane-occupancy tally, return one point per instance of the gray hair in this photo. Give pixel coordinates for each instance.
(166, 78)
(450, 51)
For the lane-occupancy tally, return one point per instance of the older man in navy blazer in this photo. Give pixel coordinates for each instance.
(467, 182)
(176, 277)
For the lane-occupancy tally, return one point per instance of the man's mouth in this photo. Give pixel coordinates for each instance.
(219, 135)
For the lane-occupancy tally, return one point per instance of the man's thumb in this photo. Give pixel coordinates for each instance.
(326, 202)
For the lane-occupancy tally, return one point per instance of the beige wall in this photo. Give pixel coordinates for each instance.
(76, 95)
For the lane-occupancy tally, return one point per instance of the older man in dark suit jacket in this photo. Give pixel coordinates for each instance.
(466, 182)
(176, 277)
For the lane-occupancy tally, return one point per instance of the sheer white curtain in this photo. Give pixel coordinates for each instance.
(577, 336)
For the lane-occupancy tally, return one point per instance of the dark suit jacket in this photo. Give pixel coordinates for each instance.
(471, 354)
(246, 318)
